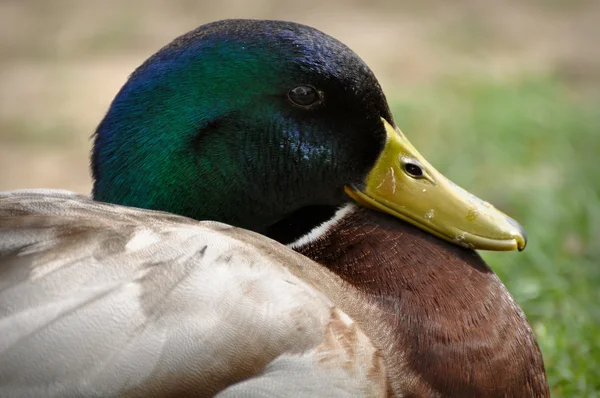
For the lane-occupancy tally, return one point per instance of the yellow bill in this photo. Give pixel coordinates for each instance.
(402, 183)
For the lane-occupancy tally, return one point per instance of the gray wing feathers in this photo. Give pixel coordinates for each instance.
(102, 300)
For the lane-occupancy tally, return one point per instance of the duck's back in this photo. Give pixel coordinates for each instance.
(102, 300)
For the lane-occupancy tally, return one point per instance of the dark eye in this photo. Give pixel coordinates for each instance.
(413, 170)
(303, 96)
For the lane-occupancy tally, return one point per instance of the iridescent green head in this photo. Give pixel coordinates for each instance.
(266, 125)
(244, 122)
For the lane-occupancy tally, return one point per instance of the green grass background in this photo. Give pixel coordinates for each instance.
(503, 97)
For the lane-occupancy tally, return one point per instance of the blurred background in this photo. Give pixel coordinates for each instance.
(502, 96)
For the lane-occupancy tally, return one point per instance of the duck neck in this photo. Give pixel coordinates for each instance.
(304, 222)
(384, 257)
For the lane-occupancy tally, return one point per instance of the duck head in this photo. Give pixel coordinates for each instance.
(270, 126)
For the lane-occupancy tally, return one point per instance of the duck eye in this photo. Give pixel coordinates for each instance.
(303, 96)
(414, 170)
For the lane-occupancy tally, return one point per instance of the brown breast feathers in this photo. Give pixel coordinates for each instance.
(455, 326)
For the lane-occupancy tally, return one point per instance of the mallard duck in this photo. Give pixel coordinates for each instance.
(331, 265)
